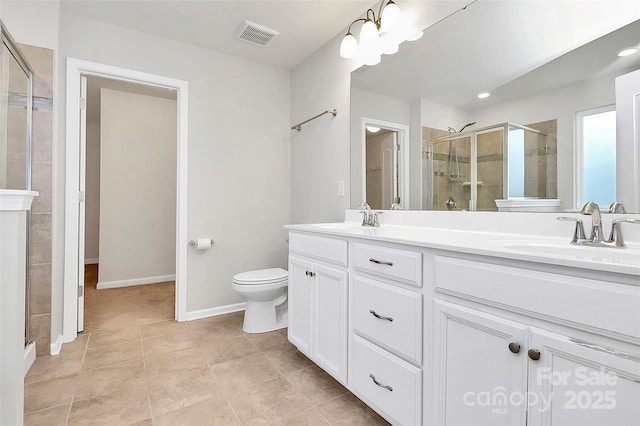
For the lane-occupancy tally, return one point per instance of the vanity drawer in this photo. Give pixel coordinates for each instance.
(401, 265)
(330, 250)
(400, 328)
(401, 403)
(601, 305)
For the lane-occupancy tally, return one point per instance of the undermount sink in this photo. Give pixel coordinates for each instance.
(599, 254)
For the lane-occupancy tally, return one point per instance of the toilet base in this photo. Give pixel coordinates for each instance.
(262, 317)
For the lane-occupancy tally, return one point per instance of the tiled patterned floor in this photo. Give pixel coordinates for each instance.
(152, 371)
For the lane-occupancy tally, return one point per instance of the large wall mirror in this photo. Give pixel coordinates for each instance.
(548, 136)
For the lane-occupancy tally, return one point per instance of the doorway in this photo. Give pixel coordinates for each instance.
(77, 71)
(385, 150)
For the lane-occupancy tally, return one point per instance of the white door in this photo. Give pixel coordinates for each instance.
(300, 304)
(81, 197)
(581, 384)
(330, 319)
(480, 368)
(628, 140)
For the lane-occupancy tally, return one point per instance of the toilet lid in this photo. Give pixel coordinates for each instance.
(261, 276)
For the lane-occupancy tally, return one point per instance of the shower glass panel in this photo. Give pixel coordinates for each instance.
(468, 171)
(15, 131)
(450, 166)
(491, 168)
(15, 113)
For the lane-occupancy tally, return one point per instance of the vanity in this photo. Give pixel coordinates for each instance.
(450, 326)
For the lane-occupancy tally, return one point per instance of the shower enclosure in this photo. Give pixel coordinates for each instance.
(468, 171)
(15, 130)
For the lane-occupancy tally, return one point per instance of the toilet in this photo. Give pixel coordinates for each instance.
(266, 294)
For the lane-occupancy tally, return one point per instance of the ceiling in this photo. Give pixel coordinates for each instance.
(304, 25)
(494, 42)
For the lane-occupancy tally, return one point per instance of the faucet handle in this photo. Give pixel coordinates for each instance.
(578, 233)
(617, 207)
(616, 232)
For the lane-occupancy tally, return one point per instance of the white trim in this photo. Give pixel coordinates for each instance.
(56, 346)
(404, 158)
(212, 312)
(16, 199)
(135, 281)
(29, 356)
(92, 261)
(75, 69)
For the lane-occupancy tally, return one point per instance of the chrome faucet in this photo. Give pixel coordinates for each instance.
(369, 218)
(596, 237)
(616, 207)
(593, 210)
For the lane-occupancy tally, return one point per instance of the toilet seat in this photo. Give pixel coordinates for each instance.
(261, 276)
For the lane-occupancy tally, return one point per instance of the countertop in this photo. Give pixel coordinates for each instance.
(529, 248)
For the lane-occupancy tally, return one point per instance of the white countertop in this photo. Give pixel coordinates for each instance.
(530, 248)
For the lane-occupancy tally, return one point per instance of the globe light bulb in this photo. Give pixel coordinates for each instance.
(349, 46)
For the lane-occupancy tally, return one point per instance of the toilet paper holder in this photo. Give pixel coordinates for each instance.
(194, 243)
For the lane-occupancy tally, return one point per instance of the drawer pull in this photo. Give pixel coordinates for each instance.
(310, 274)
(514, 347)
(389, 388)
(380, 262)
(375, 314)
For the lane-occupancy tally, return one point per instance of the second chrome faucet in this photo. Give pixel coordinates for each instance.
(596, 237)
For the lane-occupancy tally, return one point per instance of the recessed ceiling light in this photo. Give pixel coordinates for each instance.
(373, 129)
(483, 95)
(627, 52)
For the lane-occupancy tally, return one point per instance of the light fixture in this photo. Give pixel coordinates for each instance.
(483, 95)
(380, 34)
(627, 52)
(372, 129)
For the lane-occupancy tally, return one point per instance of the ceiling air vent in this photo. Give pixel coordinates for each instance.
(256, 34)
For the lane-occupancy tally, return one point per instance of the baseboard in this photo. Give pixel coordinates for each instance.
(92, 261)
(29, 356)
(56, 347)
(212, 312)
(135, 281)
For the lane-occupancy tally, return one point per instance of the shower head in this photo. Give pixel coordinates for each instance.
(466, 125)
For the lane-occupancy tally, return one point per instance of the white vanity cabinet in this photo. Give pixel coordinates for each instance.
(498, 362)
(318, 286)
(386, 336)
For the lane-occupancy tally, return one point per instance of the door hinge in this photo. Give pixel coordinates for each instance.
(80, 290)
(397, 147)
(83, 103)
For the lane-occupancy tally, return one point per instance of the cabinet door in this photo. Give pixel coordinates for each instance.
(577, 383)
(300, 304)
(330, 321)
(480, 368)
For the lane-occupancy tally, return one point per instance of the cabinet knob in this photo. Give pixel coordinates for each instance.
(310, 274)
(534, 354)
(514, 348)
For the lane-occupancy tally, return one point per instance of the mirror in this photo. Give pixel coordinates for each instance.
(545, 64)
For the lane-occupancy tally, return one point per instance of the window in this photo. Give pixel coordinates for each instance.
(597, 156)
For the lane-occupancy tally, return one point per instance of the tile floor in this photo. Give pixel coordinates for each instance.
(135, 365)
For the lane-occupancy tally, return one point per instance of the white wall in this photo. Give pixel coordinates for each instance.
(238, 149)
(92, 193)
(137, 188)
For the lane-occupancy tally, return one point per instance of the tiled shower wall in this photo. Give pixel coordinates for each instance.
(41, 60)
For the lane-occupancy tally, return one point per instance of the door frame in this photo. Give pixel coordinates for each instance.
(76, 68)
(403, 157)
